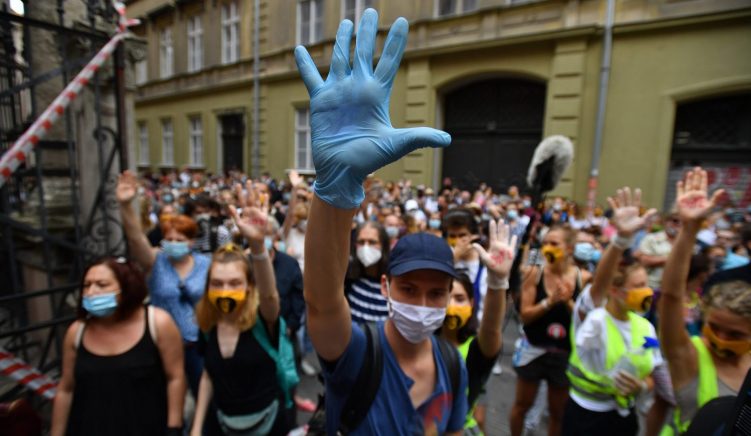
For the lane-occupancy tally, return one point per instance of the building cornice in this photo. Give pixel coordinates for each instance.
(278, 65)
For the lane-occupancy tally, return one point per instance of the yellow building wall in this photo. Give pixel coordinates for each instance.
(651, 72)
(209, 106)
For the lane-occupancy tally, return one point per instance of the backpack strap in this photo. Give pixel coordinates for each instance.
(79, 334)
(450, 356)
(366, 385)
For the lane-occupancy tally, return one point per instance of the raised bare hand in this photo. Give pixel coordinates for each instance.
(693, 199)
(252, 224)
(626, 211)
(127, 187)
(500, 253)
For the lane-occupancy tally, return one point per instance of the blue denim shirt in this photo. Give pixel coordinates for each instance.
(179, 297)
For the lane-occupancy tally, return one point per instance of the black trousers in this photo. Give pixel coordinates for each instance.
(578, 421)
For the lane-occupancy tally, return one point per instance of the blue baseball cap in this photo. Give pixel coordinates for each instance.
(421, 251)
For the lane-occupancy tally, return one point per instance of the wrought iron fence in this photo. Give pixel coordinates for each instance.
(57, 212)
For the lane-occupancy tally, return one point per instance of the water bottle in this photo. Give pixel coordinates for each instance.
(625, 363)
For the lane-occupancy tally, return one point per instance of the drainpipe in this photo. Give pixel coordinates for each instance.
(607, 41)
(256, 164)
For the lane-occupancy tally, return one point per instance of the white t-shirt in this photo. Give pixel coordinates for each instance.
(590, 335)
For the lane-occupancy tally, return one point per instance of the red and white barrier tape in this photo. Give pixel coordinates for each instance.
(12, 159)
(26, 375)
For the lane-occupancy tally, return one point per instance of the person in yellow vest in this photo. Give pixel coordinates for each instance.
(614, 350)
(480, 346)
(715, 363)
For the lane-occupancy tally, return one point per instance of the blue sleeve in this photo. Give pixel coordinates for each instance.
(459, 409)
(340, 375)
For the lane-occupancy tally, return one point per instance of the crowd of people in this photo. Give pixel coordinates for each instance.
(402, 291)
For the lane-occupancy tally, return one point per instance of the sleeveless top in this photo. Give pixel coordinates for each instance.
(551, 330)
(179, 297)
(245, 382)
(124, 394)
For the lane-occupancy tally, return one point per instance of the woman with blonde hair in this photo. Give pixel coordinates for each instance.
(715, 363)
(239, 319)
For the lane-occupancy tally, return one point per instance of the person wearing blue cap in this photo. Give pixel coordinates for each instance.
(352, 136)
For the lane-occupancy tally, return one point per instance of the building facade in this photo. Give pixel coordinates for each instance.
(499, 75)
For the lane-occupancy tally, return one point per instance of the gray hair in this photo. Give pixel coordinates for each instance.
(734, 296)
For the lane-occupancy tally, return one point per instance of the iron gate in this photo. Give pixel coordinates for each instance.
(495, 126)
(58, 211)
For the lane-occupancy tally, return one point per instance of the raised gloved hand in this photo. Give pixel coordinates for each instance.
(351, 131)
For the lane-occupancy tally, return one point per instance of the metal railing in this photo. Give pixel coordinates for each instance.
(49, 231)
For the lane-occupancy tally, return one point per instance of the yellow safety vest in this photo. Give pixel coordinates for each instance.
(470, 424)
(601, 387)
(706, 388)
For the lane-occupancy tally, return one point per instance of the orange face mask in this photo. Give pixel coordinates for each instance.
(639, 299)
(457, 316)
(723, 347)
(552, 254)
(452, 242)
(227, 300)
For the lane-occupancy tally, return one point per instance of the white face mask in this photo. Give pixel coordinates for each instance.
(415, 323)
(368, 255)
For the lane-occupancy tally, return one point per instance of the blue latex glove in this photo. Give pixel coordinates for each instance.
(351, 131)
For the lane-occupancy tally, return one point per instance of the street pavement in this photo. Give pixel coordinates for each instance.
(500, 389)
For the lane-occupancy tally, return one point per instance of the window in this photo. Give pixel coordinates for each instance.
(353, 9)
(303, 155)
(143, 144)
(166, 58)
(230, 33)
(454, 7)
(195, 44)
(142, 72)
(309, 21)
(168, 147)
(196, 141)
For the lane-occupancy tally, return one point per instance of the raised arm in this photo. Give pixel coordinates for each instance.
(693, 207)
(627, 221)
(498, 259)
(140, 250)
(352, 136)
(252, 226)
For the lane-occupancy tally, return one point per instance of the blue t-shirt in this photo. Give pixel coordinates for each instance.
(179, 301)
(392, 412)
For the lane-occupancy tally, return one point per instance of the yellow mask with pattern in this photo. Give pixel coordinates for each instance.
(227, 300)
(457, 316)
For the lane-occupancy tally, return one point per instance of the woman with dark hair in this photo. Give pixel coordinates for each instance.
(368, 261)
(122, 361)
(480, 345)
(176, 275)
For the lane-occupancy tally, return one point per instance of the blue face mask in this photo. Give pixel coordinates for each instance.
(281, 246)
(584, 252)
(392, 231)
(268, 243)
(175, 250)
(101, 305)
(596, 255)
(512, 214)
(434, 224)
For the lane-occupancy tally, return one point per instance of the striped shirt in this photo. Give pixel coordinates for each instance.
(365, 300)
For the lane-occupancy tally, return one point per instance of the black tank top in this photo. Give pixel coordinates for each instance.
(125, 394)
(551, 330)
(245, 382)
